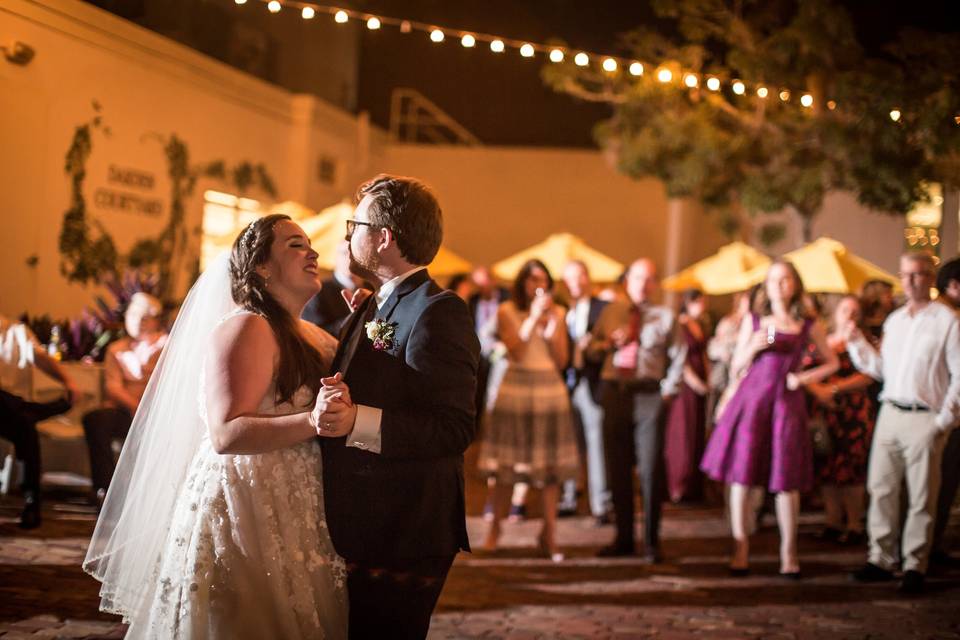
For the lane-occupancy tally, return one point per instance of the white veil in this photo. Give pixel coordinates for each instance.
(165, 434)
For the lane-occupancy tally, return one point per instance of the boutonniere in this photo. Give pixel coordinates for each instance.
(381, 333)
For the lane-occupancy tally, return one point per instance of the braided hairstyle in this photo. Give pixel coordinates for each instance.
(300, 363)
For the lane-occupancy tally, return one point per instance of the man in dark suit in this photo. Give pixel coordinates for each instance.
(327, 309)
(397, 416)
(583, 381)
(483, 307)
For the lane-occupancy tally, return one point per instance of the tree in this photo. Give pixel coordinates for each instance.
(739, 152)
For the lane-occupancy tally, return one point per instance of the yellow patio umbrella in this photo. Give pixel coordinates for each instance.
(555, 252)
(328, 228)
(723, 272)
(826, 266)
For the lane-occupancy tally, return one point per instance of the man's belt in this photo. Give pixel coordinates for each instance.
(916, 406)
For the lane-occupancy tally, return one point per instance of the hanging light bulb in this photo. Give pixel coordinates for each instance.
(664, 75)
(240, 1)
(406, 27)
(609, 65)
(273, 6)
(437, 35)
(895, 115)
(497, 46)
(581, 59)
(308, 13)
(713, 84)
(373, 23)
(762, 92)
(340, 17)
(806, 100)
(468, 40)
(636, 69)
(831, 105)
(784, 95)
(556, 55)
(690, 80)
(739, 88)
(527, 50)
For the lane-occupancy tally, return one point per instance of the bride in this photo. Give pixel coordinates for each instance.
(214, 524)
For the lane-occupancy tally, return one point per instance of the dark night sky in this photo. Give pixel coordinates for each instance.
(501, 98)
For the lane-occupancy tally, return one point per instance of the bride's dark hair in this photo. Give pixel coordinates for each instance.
(300, 363)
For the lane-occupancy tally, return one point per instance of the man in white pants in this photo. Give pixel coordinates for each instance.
(919, 364)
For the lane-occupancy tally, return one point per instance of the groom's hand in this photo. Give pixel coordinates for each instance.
(337, 420)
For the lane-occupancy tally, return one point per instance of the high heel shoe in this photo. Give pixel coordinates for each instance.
(547, 551)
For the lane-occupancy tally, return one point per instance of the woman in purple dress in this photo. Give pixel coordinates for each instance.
(683, 444)
(761, 439)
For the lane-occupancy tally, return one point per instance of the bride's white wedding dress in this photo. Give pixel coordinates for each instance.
(248, 554)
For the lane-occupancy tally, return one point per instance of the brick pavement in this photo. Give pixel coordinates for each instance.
(514, 594)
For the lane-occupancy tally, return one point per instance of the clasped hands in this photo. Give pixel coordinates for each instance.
(334, 414)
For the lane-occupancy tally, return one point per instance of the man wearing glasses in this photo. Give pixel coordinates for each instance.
(919, 364)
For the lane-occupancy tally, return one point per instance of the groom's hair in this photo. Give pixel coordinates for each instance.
(410, 210)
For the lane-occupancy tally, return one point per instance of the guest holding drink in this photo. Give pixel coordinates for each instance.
(761, 439)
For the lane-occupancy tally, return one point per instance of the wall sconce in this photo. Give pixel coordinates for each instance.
(18, 53)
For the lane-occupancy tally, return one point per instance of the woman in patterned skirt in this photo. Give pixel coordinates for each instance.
(529, 436)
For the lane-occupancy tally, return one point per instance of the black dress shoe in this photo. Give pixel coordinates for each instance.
(871, 573)
(615, 551)
(30, 516)
(790, 575)
(566, 511)
(739, 572)
(603, 520)
(912, 583)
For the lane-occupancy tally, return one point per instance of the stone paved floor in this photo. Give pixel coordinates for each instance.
(514, 594)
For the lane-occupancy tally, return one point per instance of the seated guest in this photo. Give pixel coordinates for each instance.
(19, 352)
(919, 364)
(127, 367)
(328, 309)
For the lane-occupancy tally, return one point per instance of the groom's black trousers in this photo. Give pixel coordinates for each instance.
(395, 601)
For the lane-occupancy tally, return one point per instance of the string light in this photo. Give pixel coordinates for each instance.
(240, 1)
(664, 75)
(437, 35)
(895, 115)
(831, 105)
(340, 17)
(636, 69)
(556, 55)
(273, 6)
(762, 92)
(308, 13)
(806, 100)
(406, 27)
(690, 80)
(527, 50)
(373, 23)
(713, 84)
(468, 40)
(784, 95)
(739, 88)
(496, 46)
(609, 65)
(581, 59)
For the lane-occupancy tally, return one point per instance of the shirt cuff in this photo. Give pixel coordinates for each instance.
(944, 422)
(366, 429)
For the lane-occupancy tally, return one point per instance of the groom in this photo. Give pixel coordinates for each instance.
(393, 454)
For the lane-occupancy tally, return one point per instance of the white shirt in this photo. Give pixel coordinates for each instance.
(578, 318)
(919, 360)
(366, 427)
(17, 346)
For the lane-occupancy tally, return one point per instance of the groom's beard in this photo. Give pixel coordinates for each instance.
(365, 269)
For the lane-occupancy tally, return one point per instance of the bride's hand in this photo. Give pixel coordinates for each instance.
(336, 421)
(355, 298)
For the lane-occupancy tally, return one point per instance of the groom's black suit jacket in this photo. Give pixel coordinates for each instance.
(406, 502)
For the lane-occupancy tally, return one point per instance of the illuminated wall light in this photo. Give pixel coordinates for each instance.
(308, 13)
(739, 88)
(806, 100)
(636, 69)
(340, 17)
(831, 105)
(468, 40)
(762, 92)
(713, 84)
(373, 23)
(240, 1)
(527, 51)
(406, 27)
(581, 59)
(609, 65)
(496, 46)
(664, 75)
(690, 80)
(437, 35)
(556, 55)
(895, 115)
(273, 6)
(784, 95)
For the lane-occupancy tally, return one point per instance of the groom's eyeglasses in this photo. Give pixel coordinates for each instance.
(352, 225)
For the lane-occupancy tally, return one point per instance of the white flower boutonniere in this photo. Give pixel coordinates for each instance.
(381, 333)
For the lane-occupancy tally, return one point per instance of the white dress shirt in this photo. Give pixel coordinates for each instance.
(918, 361)
(17, 347)
(366, 427)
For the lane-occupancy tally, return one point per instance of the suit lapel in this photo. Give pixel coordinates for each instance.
(351, 334)
(403, 289)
